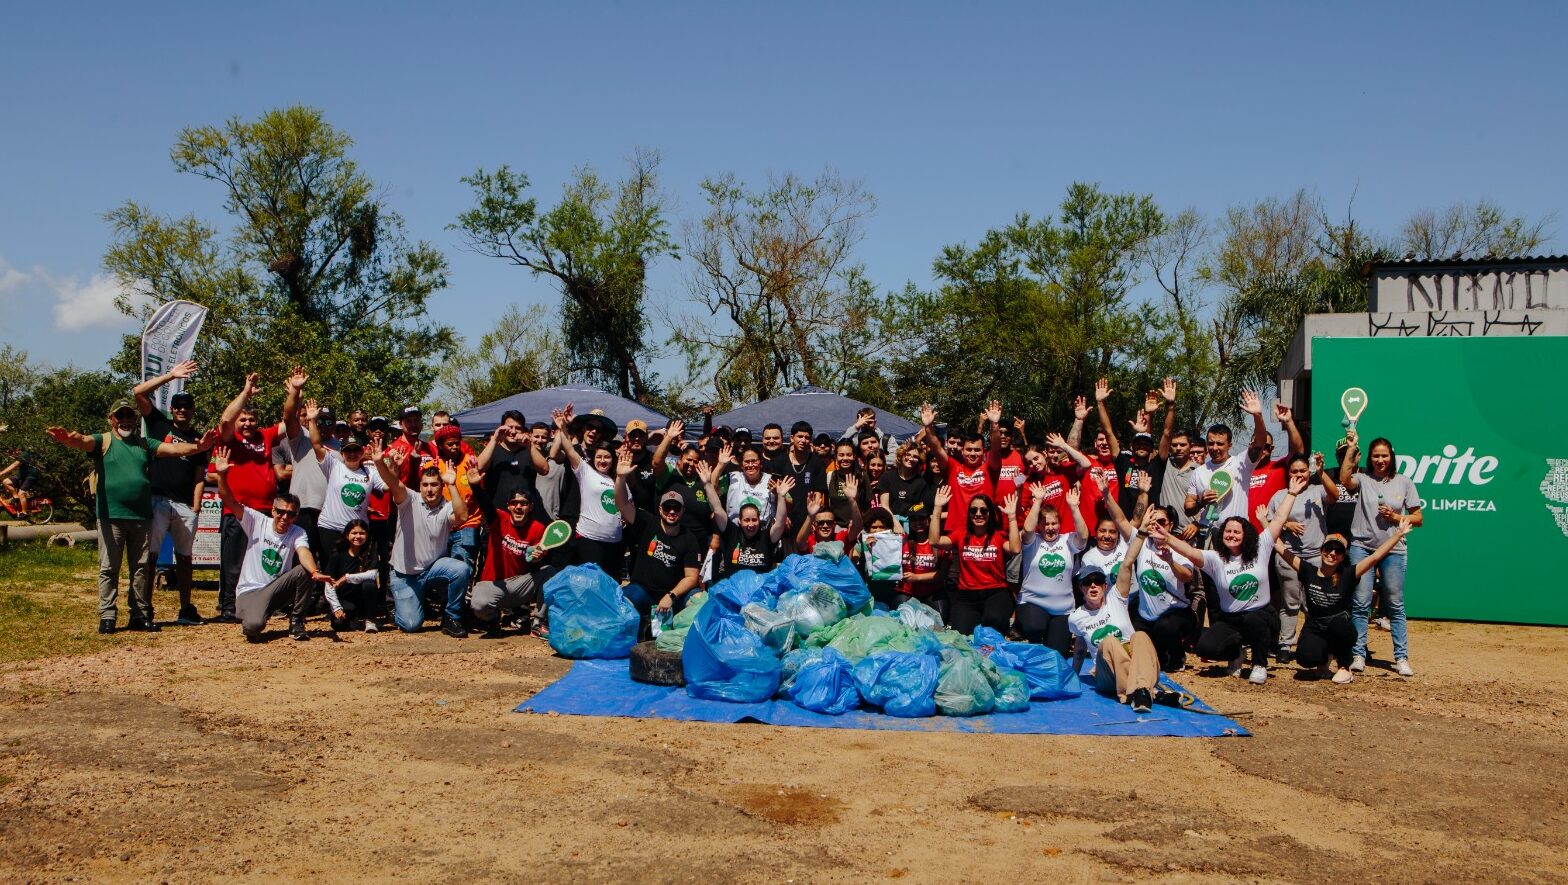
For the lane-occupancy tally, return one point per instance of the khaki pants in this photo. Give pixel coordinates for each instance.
(1122, 669)
(489, 599)
(123, 539)
(292, 589)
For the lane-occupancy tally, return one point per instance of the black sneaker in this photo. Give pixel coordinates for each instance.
(1139, 699)
(493, 630)
(297, 631)
(188, 616)
(225, 618)
(142, 626)
(454, 629)
(106, 626)
(1167, 698)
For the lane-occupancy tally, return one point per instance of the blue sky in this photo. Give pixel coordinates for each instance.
(956, 116)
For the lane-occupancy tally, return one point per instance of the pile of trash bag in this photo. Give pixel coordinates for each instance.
(808, 632)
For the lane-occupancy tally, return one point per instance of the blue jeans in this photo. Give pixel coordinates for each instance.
(408, 592)
(644, 601)
(463, 546)
(1392, 572)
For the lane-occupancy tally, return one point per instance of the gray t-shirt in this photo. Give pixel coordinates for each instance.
(548, 485)
(1310, 511)
(1173, 490)
(309, 483)
(422, 534)
(1369, 530)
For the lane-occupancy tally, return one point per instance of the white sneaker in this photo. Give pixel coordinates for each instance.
(371, 626)
(1358, 663)
(1344, 677)
(1402, 667)
(1259, 675)
(1384, 625)
(1238, 668)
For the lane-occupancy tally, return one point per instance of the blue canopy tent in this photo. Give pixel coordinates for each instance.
(537, 404)
(826, 411)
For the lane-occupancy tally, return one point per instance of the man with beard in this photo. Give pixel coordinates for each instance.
(1140, 458)
(1200, 498)
(176, 482)
(250, 474)
(123, 506)
(1268, 473)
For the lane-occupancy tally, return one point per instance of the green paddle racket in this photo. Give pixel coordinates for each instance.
(1219, 484)
(1353, 401)
(556, 534)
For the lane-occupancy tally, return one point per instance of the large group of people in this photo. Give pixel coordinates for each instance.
(1135, 557)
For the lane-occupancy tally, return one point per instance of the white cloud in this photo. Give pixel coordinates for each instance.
(10, 277)
(90, 304)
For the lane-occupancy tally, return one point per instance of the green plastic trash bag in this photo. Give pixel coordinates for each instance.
(673, 637)
(865, 634)
(962, 686)
(1012, 691)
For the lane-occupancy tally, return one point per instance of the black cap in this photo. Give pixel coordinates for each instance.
(325, 415)
(822, 439)
(410, 410)
(379, 422)
(1141, 439)
(182, 400)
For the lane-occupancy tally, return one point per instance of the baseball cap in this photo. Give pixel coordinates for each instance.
(1142, 439)
(324, 415)
(409, 411)
(667, 497)
(379, 422)
(182, 400)
(822, 439)
(636, 425)
(1337, 540)
(1089, 571)
(350, 442)
(122, 405)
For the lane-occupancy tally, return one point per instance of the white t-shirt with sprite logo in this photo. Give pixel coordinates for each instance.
(598, 519)
(1235, 501)
(1156, 585)
(1243, 585)
(267, 553)
(741, 493)
(1047, 575)
(1109, 561)
(1110, 619)
(348, 492)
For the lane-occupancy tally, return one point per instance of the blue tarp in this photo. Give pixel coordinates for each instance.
(536, 405)
(603, 688)
(824, 410)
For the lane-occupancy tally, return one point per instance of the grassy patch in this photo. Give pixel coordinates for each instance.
(49, 603)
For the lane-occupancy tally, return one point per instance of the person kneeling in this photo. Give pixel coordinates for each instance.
(424, 526)
(269, 579)
(514, 571)
(1126, 666)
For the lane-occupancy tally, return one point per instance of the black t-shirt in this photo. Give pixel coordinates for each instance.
(659, 559)
(1343, 511)
(810, 476)
(174, 478)
(740, 553)
(641, 482)
(1323, 596)
(697, 517)
(508, 472)
(838, 501)
(340, 563)
(903, 494)
(1129, 474)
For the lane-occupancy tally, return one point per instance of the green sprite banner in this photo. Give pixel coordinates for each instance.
(1477, 424)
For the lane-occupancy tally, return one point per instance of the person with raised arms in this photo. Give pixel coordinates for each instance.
(515, 568)
(821, 526)
(966, 477)
(982, 596)
(424, 524)
(1383, 496)
(269, 578)
(1239, 568)
(1111, 528)
(177, 483)
(1126, 665)
(1305, 529)
(350, 482)
(1045, 594)
(1201, 496)
(1164, 610)
(748, 539)
(600, 521)
(1329, 588)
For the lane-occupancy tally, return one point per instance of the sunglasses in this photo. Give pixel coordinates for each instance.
(981, 511)
(671, 508)
(1094, 581)
(289, 513)
(825, 523)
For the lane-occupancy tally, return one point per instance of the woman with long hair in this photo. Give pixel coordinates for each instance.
(350, 580)
(1045, 592)
(599, 523)
(982, 596)
(1385, 495)
(1305, 529)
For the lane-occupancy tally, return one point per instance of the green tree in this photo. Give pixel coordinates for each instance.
(315, 268)
(597, 243)
(1478, 231)
(1033, 314)
(523, 352)
(782, 302)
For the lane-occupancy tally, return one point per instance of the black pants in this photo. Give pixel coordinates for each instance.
(1169, 633)
(1039, 626)
(328, 538)
(307, 521)
(1257, 629)
(231, 557)
(608, 555)
(363, 602)
(886, 592)
(1321, 637)
(991, 607)
(382, 532)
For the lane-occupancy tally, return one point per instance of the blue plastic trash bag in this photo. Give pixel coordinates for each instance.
(589, 618)
(724, 661)
(962, 686)
(791, 663)
(776, 630)
(1050, 676)
(812, 608)
(826, 685)
(798, 572)
(741, 589)
(986, 640)
(916, 615)
(1012, 691)
(901, 683)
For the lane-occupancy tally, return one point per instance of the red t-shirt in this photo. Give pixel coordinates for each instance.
(919, 558)
(1010, 475)
(838, 535)
(418, 454)
(1091, 501)
(1265, 482)
(506, 553)
(1056, 485)
(980, 565)
(250, 476)
(965, 483)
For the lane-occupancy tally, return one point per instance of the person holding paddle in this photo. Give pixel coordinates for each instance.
(515, 568)
(1385, 495)
(1211, 495)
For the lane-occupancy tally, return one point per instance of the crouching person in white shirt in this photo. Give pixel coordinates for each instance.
(269, 578)
(424, 524)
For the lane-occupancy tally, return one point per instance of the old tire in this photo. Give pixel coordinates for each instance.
(653, 667)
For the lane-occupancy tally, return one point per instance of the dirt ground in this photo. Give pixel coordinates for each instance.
(196, 756)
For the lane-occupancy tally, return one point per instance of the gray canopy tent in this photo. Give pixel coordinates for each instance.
(826, 412)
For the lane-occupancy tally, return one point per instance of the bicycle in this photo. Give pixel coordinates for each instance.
(40, 511)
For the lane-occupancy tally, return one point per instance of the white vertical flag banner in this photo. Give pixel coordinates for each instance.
(168, 340)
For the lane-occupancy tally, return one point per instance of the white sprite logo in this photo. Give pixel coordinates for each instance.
(1555, 489)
